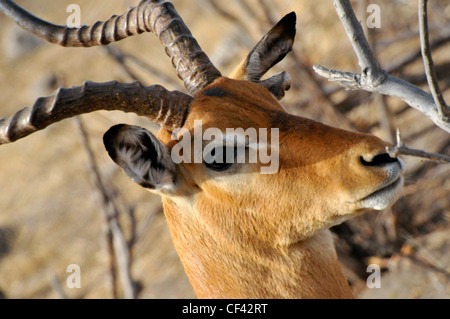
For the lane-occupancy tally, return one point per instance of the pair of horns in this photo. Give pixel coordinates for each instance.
(167, 108)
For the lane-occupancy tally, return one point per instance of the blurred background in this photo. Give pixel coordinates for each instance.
(51, 215)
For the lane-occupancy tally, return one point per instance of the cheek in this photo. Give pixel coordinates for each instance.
(300, 197)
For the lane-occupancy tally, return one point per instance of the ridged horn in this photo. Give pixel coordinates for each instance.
(191, 63)
(167, 108)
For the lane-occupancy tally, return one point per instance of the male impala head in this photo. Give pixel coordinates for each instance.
(239, 232)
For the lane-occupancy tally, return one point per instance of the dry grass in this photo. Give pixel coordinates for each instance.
(50, 219)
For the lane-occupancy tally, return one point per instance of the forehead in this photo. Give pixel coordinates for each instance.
(231, 103)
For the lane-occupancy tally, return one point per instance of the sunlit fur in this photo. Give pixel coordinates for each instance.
(242, 234)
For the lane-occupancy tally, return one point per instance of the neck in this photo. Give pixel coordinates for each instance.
(221, 268)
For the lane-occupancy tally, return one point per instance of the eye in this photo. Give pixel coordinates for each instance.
(220, 158)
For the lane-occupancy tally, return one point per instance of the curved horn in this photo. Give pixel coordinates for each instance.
(168, 108)
(114, 29)
(191, 63)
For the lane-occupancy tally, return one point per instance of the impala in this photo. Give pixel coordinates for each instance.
(239, 233)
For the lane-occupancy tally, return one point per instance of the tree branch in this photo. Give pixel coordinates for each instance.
(373, 78)
(401, 148)
(57, 286)
(409, 58)
(366, 58)
(428, 61)
(122, 57)
(115, 235)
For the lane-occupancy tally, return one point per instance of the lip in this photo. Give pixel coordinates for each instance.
(387, 193)
(386, 189)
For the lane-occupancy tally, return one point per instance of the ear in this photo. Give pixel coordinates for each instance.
(278, 84)
(141, 155)
(270, 50)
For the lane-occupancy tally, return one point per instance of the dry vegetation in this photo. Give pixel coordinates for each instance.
(50, 213)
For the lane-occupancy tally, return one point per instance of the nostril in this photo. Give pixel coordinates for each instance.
(379, 160)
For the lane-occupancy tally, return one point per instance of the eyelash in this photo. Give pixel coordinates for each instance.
(215, 166)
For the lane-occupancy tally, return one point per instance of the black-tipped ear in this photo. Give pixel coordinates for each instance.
(141, 155)
(271, 49)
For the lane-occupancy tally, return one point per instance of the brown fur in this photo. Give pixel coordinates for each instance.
(248, 235)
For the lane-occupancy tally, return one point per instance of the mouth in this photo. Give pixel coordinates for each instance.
(385, 196)
(387, 189)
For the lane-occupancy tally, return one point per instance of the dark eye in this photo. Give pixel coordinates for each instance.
(220, 158)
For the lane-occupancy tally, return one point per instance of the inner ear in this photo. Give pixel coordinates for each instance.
(278, 84)
(141, 155)
(270, 50)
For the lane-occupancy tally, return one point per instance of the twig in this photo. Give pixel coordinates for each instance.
(317, 91)
(111, 262)
(409, 58)
(373, 78)
(121, 58)
(385, 117)
(382, 44)
(57, 286)
(268, 12)
(304, 75)
(247, 33)
(428, 61)
(391, 86)
(228, 15)
(111, 214)
(443, 70)
(103, 192)
(389, 223)
(425, 259)
(133, 226)
(401, 148)
(396, 39)
(366, 58)
(423, 170)
(130, 211)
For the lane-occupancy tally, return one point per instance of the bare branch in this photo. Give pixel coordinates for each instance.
(402, 149)
(122, 58)
(366, 58)
(119, 57)
(421, 255)
(385, 117)
(54, 282)
(229, 15)
(373, 78)
(111, 262)
(392, 86)
(428, 61)
(409, 58)
(111, 214)
(268, 12)
(351, 81)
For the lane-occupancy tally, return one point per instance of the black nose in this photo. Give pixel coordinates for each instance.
(379, 160)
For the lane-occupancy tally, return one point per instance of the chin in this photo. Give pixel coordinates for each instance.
(383, 197)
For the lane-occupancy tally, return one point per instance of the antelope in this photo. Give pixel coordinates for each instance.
(239, 233)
